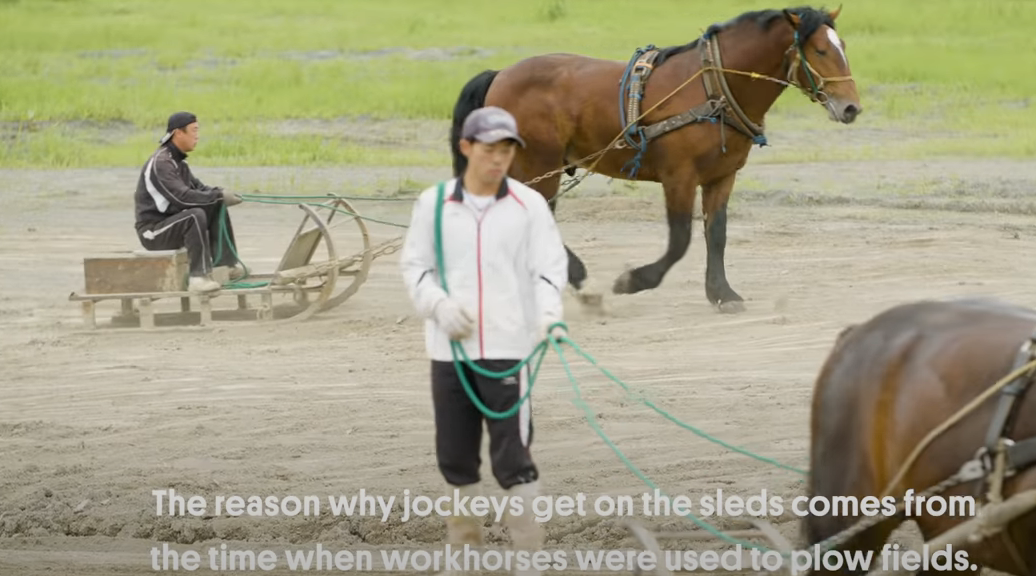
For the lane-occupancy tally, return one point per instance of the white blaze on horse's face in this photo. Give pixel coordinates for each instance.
(843, 104)
(837, 43)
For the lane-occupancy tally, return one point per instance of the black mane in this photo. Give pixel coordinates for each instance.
(811, 21)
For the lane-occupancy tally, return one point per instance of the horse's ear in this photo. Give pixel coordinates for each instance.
(793, 18)
(834, 15)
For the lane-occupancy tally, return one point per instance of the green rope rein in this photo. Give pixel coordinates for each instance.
(224, 238)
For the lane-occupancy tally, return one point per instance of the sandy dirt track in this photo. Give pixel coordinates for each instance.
(91, 423)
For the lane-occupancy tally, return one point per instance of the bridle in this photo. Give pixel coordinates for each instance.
(815, 92)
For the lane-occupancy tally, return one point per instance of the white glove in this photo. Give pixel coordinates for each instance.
(232, 198)
(547, 332)
(453, 319)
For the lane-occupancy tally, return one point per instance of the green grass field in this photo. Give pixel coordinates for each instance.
(90, 82)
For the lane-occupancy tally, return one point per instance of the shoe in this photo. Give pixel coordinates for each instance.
(461, 530)
(237, 272)
(202, 284)
(526, 533)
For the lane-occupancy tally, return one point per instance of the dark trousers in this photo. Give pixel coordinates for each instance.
(196, 229)
(458, 424)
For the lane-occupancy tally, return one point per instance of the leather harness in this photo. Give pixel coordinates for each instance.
(720, 104)
(1002, 456)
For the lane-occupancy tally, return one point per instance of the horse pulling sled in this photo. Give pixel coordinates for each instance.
(903, 408)
(310, 284)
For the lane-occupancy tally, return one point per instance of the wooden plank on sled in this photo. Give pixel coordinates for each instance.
(292, 275)
(76, 297)
(138, 271)
(301, 248)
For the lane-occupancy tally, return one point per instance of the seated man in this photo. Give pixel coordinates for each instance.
(175, 210)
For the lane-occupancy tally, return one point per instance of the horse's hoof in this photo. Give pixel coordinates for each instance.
(731, 307)
(624, 283)
(589, 296)
(590, 299)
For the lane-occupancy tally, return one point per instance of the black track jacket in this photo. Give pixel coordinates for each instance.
(167, 186)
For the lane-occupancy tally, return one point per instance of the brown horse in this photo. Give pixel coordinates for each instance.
(889, 383)
(568, 107)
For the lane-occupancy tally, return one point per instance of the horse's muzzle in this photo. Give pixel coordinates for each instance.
(848, 112)
(840, 109)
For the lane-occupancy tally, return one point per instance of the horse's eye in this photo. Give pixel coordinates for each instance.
(821, 52)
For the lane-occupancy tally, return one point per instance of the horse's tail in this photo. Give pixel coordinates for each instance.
(472, 97)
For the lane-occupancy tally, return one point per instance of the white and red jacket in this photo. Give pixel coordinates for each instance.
(506, 265)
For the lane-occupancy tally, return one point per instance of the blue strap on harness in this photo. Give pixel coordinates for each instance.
(640, 144)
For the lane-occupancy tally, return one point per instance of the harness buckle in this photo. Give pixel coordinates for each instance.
(978, 467)
(974, 469)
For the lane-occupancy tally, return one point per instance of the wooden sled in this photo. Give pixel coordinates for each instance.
(311, 285)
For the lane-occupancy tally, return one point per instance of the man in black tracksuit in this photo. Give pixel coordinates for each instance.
(176, 210)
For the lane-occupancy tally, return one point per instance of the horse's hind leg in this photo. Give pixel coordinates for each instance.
(679, 202)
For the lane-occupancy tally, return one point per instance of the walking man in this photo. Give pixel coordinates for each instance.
(505, 267)
(176, 210)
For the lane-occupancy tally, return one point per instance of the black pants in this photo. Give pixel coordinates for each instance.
(458, 424)
(197, 229)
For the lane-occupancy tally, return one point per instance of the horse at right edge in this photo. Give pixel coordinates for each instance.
(932, 398)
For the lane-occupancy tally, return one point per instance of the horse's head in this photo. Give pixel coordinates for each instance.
(819, 65)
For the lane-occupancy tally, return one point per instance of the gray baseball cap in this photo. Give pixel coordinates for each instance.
(491, 124)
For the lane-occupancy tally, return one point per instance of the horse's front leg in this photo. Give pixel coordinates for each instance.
(714, 197)
(679, 200)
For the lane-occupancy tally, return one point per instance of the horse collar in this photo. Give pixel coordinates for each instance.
(716, 88)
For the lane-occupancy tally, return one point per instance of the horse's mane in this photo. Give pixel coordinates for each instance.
(811, 20)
